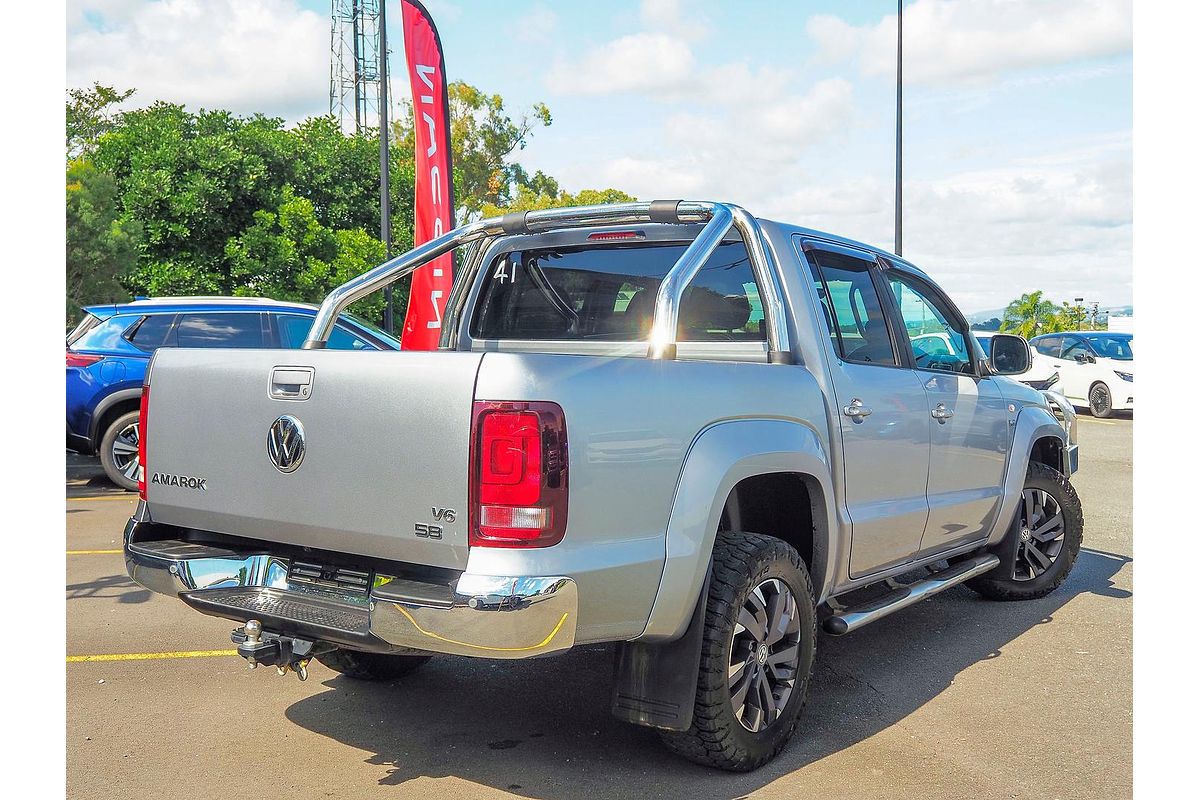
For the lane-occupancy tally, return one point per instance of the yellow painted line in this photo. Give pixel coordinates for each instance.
(93, 552)
(149, 656)
(81, 498)
(432, 635)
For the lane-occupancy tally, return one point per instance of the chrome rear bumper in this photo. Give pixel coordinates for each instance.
(477, 615)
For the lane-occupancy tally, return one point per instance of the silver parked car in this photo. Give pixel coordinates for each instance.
(669, 425)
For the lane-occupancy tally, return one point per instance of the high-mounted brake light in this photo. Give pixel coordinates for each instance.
(142, 441)
(518, 474)
(82, 359)
(613, 236)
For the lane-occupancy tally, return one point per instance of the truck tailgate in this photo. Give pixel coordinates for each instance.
(385, 440)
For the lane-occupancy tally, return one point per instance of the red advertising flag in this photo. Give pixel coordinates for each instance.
(434, 207)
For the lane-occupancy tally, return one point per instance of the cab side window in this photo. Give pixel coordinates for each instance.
(220, 329)
(154, 331)
(852, 309)
(1048, 346)
(1074, 346)
(938, 341)
(293, 330)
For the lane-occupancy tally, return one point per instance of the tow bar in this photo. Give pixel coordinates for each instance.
(285, 653)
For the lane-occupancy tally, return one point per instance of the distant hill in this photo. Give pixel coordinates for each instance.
(984, 316)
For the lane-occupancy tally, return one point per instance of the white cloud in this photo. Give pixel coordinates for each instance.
(243, 55)
(1059, 222)
(669, 16)
(641, 62)
(735, 148)
(536, 26)
(957, 40)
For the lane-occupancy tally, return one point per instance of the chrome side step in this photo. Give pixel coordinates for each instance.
(851, 619)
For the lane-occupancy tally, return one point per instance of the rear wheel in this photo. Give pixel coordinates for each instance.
(1100, 401)
(119, 451)
(757, 655)
(1040, 548)
(370, 666)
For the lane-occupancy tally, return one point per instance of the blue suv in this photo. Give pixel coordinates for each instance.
(109, 350)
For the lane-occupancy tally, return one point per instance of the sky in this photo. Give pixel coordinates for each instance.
(1017, 113)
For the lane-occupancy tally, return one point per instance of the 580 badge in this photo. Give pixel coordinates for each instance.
(427, 531)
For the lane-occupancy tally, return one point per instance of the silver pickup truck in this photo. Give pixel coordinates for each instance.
(668, 425)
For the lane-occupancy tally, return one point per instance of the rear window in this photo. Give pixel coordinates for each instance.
(88, 322)
(580, 293)
(103, 335)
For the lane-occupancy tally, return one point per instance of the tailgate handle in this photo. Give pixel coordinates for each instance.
(291, 383)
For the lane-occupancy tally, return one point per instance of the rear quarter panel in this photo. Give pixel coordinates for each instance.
(631, 423)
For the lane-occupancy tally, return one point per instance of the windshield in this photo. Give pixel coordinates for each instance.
(1114, 346)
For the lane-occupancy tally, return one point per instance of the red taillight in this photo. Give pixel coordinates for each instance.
(81, 359)
(142, 441)
(518, 474)
(615, 236)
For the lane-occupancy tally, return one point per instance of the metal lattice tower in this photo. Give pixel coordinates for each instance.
(354, 64)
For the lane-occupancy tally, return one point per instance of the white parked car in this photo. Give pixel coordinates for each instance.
(1095, 368)
(1040, 375)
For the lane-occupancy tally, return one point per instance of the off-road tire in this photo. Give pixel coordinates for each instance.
(741, 561)
(1100, 401)
(111, 471)
(996, 583)
(370, 666)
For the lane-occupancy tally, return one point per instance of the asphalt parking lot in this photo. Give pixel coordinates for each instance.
(951, 698)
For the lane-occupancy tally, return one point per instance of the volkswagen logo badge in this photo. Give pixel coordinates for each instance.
(285, 443)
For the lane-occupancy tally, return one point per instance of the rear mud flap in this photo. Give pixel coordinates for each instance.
(655, 684)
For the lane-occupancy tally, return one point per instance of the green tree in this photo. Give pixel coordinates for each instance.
(224, 204)
(1031, 315)
(483, 138)
(91, 113)
(287, 254)
(529, 199)
(101, 245)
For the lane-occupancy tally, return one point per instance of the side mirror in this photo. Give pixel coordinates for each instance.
(1085, 358)
(1010, 355)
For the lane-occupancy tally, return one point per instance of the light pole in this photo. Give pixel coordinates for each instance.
(899, 118)
(1079, 313)
(385, 199)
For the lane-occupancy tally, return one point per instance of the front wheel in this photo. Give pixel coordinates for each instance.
(119, 451)
(1100, 401)
(760, 632)
(1043, 542)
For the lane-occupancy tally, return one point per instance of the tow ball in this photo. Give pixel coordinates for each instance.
(285, 653)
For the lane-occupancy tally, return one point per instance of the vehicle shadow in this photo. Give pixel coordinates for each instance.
(542, 729)
(118, 587)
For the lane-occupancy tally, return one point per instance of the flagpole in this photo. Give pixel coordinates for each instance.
(899, 118)
(385, 200)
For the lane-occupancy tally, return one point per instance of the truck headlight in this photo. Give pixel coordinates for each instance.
(1125, 376)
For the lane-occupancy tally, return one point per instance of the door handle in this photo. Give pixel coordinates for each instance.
(856, 410)
(291, 383)
(941, 413)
